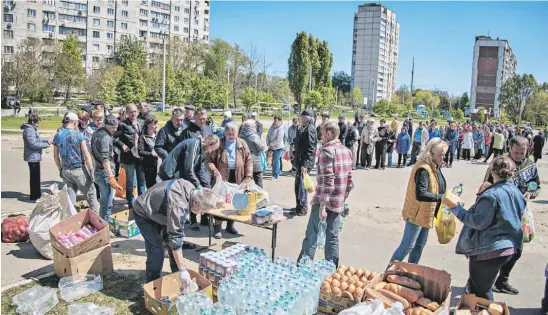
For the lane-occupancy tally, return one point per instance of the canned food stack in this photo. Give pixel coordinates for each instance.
(215, 266)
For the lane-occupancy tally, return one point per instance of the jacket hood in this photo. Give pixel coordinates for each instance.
(247, 130)
(27, 125)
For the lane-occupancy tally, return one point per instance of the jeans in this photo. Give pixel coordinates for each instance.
(415, 150)
(331, 233)
(107, 194)
(155, 235)
(449, 158)
(483, 274)
(413, 242)
(34, 182)
(301, 207)
(134, 170)
(389, 163)
(276, 163)
(459, 149)
(79, 179)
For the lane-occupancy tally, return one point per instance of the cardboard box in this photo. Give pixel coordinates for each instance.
(332, 304)
(74, 223)
(436, 284)
(97, 261)
(475, 304)
(123, 224)
(170, 286)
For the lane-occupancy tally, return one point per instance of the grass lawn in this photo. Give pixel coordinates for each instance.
(123, 292)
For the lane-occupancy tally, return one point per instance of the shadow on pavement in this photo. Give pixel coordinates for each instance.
(17, 195)
(38, 272)
(26, 251)
(524, 311)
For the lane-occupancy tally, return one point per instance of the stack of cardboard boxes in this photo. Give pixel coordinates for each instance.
(91, 256)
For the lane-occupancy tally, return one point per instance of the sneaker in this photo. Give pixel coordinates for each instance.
(505, 287)
(217, 232)
(301, 213)
(230, 229)
(194, 227)
(274, 179)
(367, 168)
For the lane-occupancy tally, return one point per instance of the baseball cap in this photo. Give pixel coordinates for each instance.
(190, 107)
(111, 121)
(71, 117)
(307, 113)
(325, 114)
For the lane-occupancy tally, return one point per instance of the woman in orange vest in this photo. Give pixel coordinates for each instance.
(424, 193)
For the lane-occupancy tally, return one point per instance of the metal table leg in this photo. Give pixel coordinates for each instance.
(274, 237)
(210, 228)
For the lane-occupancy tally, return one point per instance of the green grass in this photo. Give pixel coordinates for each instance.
(123, 292)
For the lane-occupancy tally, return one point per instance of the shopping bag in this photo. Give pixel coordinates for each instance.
(309, 185)
(122, 177)
(286, 155)
(263, 161)
(445, 225)
(269, 155)
(528, 225)
(224, 189)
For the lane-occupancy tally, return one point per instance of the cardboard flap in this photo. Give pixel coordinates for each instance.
(476, 304)
(125, 215)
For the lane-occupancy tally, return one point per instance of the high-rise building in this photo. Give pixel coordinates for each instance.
(100, 24)
(375, 52)
(494, 62)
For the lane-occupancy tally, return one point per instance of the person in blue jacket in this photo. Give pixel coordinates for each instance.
(434, 131)
(32, 153)
(451, 136)
(403, 144)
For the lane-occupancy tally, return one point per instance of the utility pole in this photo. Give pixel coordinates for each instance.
(412, 75)
(164, 74)
(228, 85)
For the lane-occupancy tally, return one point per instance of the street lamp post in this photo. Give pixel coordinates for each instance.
(164, 74)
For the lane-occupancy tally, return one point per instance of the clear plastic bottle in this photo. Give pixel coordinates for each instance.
(457, 190)
(320, 243)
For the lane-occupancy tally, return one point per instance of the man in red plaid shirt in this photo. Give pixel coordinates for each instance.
(334, 184)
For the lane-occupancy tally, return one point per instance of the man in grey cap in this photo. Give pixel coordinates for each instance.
(189, 115)
(102, 150)
(305, 155)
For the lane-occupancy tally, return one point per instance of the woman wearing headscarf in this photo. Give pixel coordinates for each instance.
(403, 144)
(248, 133)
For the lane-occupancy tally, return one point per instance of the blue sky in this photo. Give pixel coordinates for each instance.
(440, 35)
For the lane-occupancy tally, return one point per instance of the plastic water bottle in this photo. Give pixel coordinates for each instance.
(322, 226)
(457, 190)
(77, 287)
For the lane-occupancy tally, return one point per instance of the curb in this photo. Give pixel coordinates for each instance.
(27, 281)
(25, 212)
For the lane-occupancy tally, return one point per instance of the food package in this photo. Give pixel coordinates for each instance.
(528, 225)
(269, 215)
(249, 198)
(15, 229)
(224, 188)
(204, 200)
(446, 225)
(70, 239)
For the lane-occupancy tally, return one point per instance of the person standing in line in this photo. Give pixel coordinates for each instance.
(189, 116)
(538, 145)
(433, 130)
(304, 155)
(352, 139)
(227, 117)
(343, 128)
(497, 144)
(325, 118)
(32, 153)
(479, 142)
(425, 190)
(170, 135)
(545, 134)
(368, 138)
(467, 144)
(144, 113)
(85, 128)
(102, 150)
(275, 143)
(70, 152)
(361, 126)
(392, 132)
(334, 185)
(462, 131)
(451, 136)
(147, 141)
(488, 141)
(403, 143)
(248, 132)
(380, 145)
(198, 127)
(291, 136)
(419, 138)
(258, 123)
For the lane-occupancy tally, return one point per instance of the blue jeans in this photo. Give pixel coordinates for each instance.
(331, 233)
(276, 160)
(154, 235)
(134, 171)
(106, 194)
(389, 159)
(413, 241)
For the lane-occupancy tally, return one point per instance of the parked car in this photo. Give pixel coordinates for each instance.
(9, 102)
(158, 106)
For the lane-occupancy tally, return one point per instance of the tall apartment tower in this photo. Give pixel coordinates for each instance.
(100, 24)
(494, 62)
(375, 52)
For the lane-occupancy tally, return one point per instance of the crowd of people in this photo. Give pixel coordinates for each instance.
(191, 153)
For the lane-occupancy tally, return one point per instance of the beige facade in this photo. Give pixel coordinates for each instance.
(100, 24)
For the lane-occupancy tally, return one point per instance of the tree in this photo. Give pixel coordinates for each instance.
(249, 98)
(515, 93)
(130, 50)
(328, 96)
(464, 101)
(458, 114)
(111, 78)
(357, 96)
(313, 99)
(323, 78)
(426, 98)
(131, 88)
(204, 91)
(537, 110)
(402, 95)
(342, 80)
(481, 115)
(69, 71)
(444, 102)
(299, 66)
(265, 97)
(381, 107)
(216, 60)
(153, 81)
(187, 57)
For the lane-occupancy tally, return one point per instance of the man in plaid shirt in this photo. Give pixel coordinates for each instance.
(334, 184)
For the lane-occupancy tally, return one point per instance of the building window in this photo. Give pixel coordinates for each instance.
(143, 22)
(185, 30)
(96, 9)
(176, 19)
(176, 28)
(8, 33)
(196, 32)
(72, 30)
(177, 9)
(96, 34)
(124, 26)
(143, 12)
(109, 35)
(31, 27)
(96, 22)
(187, 10)
(8, 49)
(196, 22)
(123, 36)
(95, 59)
(143, 2)
(206, 11)
(110, 23)
(197, 3)
(160, 5)
(186, 20)
(125, 2)
(206, 21)
(109, 47)
(143, 33)
(48, 15)
(31, 12)
(124, 13)
(110, 11)
(206, 37)
(96, 47)
(48, 28)
(73, 18)
(8, 17)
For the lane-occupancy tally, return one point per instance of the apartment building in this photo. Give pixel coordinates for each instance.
(493, 63)
(100, 24)
(375, 52)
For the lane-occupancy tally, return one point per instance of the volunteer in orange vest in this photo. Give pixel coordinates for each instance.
(424, 193)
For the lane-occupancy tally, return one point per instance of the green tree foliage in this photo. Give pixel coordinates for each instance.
(464, 101)
(481, 114)
(322, 77)
(328, 97)
(153, 81)
(174, 90)
(187, 57)
(357, 96)
(216, 61)
(342, 80)
(402, 94)
(131, 88)
(204, 91)
(265, 97)
(299, 66)
(426, 98)
(381, 107)
(515, 93)
(313, 99)
(457, 114)
(249, 98)
(537, 108)
(109, 83)
(444, 102)
(69, 71)
(130, 50)
(315, 63)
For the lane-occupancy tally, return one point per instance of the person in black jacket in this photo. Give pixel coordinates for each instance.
(325, 118)
(189, 115)
(352, 141)
(305, 155)
(170, 135)
(144, 113)
(196, 128)
(149, 163)
(344, 129)
(380, 146)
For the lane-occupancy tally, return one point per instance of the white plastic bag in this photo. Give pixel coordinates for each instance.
(50, 209)
(37, 300)
(224, 189)
(90, 309)
(262, 195)
(375, 308)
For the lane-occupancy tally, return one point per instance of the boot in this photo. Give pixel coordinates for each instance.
(505, 287)
(230, 228)
(217, 232)
(204, 220)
